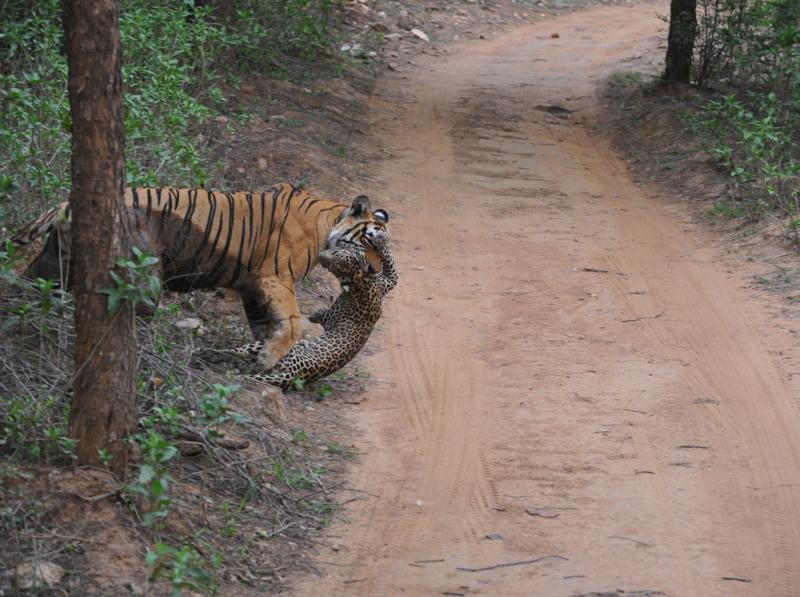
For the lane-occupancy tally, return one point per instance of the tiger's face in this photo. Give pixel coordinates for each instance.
(355, 226)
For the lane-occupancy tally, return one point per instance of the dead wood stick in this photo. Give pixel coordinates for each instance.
(508, 564)
(656, 316)
(737, 579)
(636, 541)
(354, 580)
(535, 513)
(68, 538)
(222, 442)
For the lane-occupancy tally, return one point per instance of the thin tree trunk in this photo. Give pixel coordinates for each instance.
(680, 41)
(103, 407)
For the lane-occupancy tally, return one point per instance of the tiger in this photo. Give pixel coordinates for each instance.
(256, 243)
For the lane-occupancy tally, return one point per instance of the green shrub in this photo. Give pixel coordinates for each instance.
(748, 53)
(176, 64)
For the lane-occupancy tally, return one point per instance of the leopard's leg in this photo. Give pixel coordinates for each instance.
(247, 352)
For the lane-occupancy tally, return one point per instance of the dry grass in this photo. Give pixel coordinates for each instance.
(247, 497)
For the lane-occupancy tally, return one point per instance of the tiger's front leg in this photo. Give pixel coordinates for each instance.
(274, 318)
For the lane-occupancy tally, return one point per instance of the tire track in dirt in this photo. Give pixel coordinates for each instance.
(633, 421)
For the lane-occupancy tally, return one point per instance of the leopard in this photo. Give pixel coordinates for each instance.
(346, 324)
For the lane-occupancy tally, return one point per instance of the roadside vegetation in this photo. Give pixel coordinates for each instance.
(182, 64)
(748, 57)
(743, 59)
(210, 485)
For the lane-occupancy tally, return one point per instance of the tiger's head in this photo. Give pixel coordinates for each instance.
(355, 226)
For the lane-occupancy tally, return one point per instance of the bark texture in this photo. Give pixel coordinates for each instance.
(103, 408)
(680, 41)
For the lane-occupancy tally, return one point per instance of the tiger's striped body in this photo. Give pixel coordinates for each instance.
(258, 244)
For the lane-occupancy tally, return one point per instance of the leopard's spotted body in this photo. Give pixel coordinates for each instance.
(347, 324)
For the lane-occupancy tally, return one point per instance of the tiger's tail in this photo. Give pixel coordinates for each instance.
(42, 225)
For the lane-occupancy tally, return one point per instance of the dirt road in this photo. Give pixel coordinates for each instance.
(573, 378)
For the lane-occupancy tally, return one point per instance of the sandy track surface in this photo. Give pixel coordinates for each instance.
(572, 381)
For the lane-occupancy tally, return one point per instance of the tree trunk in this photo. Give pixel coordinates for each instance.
(680, 41)
(104, 404)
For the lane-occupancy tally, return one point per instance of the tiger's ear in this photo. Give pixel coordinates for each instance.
(381, 215)
(360, 205)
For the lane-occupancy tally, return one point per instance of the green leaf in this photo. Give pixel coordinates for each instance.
(146, 473)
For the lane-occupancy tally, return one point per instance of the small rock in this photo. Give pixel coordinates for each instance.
(223, 120)
(555, 35)
(345, 48)
(337, 546)
(372, 54)
(380, 27)
(393, 36)
(41, 574)
(135, 588)
(420, 34)
(405, 21)
(391, 66)
(275, 118)
(190, 323)
(276, 403)
(494, 537)
(262, 163)
(420, 503)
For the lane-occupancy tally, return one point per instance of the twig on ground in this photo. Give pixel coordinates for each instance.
(636, 541)
(509, 564)
(656, 316)
(67, 538)
(539, 514)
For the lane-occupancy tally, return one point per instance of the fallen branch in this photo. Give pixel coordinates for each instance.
(636, 541)
(67, 538)
(508, 564)
(737, 579)
(656, 316)
(222, 442)
(535, 513)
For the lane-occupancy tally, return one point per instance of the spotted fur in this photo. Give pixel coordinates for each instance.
(347, 323)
